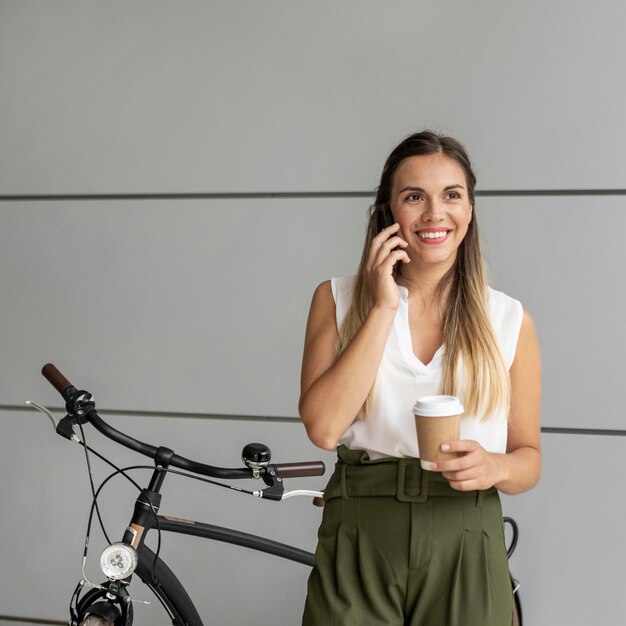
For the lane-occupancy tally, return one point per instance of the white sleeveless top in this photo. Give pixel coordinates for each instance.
(389, 428)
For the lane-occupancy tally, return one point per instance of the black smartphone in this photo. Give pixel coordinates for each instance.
(384, 218)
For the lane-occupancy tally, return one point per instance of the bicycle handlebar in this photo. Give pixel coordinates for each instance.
(68, 391)
(55, 378)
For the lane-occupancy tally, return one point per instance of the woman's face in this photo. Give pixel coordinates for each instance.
(430, 202)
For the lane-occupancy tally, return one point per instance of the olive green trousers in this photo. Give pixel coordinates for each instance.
(398, 546)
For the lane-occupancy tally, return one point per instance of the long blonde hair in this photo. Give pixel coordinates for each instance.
(467, 330)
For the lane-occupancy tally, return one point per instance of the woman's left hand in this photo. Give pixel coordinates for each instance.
(475, 468)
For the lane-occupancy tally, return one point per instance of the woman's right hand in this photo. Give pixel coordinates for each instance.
(387, 249)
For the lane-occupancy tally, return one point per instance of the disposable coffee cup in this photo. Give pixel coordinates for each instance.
(437, 420)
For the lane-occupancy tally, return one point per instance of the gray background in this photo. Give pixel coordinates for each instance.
(175, 180)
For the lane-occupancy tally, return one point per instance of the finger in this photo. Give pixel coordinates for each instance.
(393, 242)
(391, 245)
(386, 232)
(464, 485)
(462, 445)
(393, 258)
(454, 465)
(459, 476)
(385, 267)
(378, 241)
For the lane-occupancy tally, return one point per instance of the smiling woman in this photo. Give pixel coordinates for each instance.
(399, 544)
(427, 187)
(433, 216)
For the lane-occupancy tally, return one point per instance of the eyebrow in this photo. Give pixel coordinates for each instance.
(448, 188)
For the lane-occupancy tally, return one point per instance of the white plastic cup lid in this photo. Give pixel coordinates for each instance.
(438, 406)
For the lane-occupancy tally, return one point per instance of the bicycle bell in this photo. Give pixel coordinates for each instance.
(256, 456)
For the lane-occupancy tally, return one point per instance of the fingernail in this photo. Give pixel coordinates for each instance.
(445, 447)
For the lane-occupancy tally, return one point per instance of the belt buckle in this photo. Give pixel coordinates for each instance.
(401, 494)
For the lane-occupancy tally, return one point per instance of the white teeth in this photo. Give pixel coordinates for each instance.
(439, 235)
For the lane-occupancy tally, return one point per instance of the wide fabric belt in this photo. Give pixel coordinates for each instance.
(356, 475)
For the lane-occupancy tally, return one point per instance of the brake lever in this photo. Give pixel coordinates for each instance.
(275, 489)
(303, 492)
(44, 410)
(63, 427)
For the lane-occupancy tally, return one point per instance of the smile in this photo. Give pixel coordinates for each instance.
(434, 236)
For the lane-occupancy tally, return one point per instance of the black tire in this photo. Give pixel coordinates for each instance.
(88, 611)
(94, 620)
(168, 588)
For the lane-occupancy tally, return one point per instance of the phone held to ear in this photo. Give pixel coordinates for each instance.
(384, 218)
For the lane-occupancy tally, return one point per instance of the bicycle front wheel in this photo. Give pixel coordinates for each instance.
(95, 609)
(168, 589)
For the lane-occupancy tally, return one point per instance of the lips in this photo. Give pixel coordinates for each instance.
(433, 235)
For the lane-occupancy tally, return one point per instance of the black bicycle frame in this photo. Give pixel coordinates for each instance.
(228, 535)
(147, 506)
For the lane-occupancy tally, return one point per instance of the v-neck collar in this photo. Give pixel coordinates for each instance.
(403, 331)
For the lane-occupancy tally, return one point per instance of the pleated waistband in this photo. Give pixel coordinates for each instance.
(356, 475)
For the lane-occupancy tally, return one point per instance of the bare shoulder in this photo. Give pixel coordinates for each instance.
(527, 321)
(322, 312)
(323, 294)
(525, 411)
(320, 343)
(527, 349)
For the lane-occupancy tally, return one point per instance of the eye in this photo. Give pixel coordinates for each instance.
(414, 197)
(454, 195)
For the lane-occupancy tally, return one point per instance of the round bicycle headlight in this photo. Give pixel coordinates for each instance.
(118, 561)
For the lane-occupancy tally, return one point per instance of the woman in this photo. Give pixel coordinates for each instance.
(397, 544)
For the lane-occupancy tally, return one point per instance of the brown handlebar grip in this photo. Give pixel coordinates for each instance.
(317, 501)
(55, 378)
(293, 470)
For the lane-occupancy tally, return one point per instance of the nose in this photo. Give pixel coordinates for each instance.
(433, 211)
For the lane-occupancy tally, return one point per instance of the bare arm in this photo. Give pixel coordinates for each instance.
(520, 468)
(333, 389)
(522, 464)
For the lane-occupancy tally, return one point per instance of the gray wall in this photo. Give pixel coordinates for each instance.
(176, 178)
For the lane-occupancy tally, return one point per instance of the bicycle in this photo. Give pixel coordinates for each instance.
(109, 603)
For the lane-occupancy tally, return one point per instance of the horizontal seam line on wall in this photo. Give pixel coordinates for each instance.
(31, 620)
(583, 431)
(268, 418)
(165, 414)
(258, 195)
